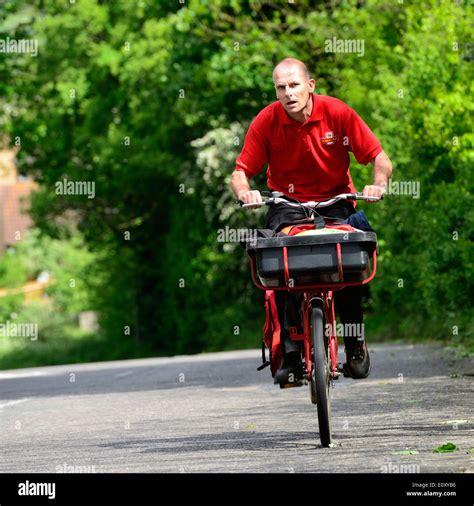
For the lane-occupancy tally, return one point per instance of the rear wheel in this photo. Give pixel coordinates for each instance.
(320, 376)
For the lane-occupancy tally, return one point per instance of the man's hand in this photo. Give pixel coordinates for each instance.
(241, 187)
(382, 172)
(250, 197)
(374, 191)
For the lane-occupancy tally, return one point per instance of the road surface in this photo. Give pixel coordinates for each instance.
(215, 413)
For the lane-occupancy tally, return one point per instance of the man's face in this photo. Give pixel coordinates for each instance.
(293, 88)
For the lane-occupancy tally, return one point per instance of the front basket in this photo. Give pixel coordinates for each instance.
(323, 259)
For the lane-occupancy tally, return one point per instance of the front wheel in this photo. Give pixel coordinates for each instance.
(320, 375)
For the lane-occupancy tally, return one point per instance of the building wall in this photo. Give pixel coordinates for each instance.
(14, 201)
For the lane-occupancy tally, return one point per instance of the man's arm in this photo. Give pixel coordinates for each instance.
(240, 185)
(382, 172)
(252, 159)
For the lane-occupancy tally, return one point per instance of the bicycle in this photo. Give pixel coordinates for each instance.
(315, 261)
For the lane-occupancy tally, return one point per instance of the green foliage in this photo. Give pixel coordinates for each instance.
(429, 241)
(13, 272)
(67, 263)
(151, 101)
(53, 324)
(10, 305)
(446, 448)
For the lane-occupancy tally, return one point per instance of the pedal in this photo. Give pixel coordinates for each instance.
(346, 372)
(339, 371)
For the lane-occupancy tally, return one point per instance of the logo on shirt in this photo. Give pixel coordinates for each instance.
(329, 138)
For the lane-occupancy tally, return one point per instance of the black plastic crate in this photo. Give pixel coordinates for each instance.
(312, 259)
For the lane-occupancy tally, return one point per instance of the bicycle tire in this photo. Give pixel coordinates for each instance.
(321, 375)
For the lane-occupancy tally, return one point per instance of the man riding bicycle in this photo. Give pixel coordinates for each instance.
(305, 139)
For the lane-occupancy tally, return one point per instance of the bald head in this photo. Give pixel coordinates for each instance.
(289, 64)
(294, 88)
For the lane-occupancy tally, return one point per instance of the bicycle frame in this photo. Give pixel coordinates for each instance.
(323, 292)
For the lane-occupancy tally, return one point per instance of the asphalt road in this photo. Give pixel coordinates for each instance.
(216, 413)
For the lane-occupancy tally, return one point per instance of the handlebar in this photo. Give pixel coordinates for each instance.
(276, 198)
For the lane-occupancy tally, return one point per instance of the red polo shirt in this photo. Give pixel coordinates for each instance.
(310, 160)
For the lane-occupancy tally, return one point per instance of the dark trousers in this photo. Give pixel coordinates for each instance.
(347, 301)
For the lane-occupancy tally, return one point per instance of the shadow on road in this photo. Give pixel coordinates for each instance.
(236, 440)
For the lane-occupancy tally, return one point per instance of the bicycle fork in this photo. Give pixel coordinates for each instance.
(325, 302)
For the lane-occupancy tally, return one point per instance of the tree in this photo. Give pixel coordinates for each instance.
(150, 102)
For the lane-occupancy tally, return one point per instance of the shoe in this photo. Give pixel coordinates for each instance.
(358, 361)
(290, 374)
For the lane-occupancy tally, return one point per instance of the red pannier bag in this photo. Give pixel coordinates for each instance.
(271, 334)
(297, 229)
